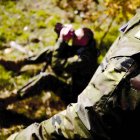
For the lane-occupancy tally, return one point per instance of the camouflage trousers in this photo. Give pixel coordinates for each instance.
(50, 82)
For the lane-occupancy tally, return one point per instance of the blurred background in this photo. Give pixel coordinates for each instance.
(29, 24)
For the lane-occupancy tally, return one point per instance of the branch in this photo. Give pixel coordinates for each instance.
(106, 32)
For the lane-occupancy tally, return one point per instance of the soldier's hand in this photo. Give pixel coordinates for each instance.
(73, 59)
(66, 33)
(135, 82)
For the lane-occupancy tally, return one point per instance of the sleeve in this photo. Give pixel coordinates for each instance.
(79, 61)
(45, 55)
(84, 119)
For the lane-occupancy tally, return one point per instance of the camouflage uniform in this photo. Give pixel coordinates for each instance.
(108, 108)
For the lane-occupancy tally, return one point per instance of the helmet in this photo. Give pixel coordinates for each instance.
(58, 27)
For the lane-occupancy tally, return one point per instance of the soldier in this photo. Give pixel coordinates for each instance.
(109, 107)
(72, 66)
(45, 55)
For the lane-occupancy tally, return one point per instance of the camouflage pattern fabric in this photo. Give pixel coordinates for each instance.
(103, 106)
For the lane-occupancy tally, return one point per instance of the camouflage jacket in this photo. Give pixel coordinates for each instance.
(109, 105)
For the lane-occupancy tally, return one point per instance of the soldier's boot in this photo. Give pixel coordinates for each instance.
(34, 86)
(14, 66)
(4, 102)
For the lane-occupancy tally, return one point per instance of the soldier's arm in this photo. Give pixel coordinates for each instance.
(84, 119)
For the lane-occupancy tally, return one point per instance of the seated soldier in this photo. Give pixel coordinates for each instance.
(109, 107)
(72, 66)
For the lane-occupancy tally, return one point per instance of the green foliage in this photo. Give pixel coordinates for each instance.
(41, 24)
(5, 78)
(41, 13)
(23, 38)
